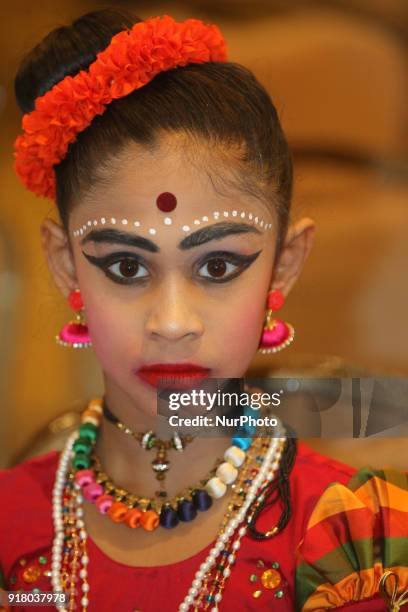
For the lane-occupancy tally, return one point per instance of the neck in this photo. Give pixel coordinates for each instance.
(129, 465)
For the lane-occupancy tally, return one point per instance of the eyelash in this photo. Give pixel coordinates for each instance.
(242, 261)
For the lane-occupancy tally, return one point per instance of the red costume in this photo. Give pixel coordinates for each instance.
(325, 558)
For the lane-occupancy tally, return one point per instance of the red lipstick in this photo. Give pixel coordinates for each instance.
(172, 375)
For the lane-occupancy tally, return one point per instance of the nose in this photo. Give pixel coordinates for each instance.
(174, 315)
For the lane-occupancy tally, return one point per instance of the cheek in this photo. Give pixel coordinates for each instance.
(113, 334)
(113, 326)
(240, 330)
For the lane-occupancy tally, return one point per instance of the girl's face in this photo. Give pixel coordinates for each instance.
(183, 290)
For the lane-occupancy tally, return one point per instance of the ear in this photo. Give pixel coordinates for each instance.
(58, 253)
(295, 250)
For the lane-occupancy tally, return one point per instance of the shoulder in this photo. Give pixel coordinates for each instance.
(36, 473)
(328, 467)
(25, 512)
(312, 473)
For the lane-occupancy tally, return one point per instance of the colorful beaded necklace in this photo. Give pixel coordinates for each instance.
(69, 547)
(185, 504)
(135, 511)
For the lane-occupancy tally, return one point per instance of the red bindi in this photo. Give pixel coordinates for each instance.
(166, 201)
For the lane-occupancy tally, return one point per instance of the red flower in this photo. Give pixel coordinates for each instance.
(133, 57)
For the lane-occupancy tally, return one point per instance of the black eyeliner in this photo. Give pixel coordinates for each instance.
(112, 258)
(107, 260)
(232, 257)
(244, 261)
(103, 262)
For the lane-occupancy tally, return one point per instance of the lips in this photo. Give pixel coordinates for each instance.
(174, 375)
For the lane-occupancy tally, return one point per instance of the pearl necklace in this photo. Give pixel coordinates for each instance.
(57, 517)
(266, 473)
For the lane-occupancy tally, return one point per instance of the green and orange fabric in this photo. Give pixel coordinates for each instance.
(355, 546)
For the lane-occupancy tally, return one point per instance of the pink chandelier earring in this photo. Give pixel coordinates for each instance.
(75, 333)
(276, 334)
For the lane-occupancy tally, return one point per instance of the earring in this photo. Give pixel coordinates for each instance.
(276, 334)
(75, 333)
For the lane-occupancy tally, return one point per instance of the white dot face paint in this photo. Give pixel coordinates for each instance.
(167, 221)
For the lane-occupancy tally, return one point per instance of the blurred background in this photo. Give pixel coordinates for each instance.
(337, 73)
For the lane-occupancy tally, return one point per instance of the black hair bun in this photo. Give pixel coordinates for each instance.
(65, 51)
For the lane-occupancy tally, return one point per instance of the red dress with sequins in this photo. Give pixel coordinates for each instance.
(26, 533)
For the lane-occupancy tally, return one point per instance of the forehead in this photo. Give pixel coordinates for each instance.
(176, 185)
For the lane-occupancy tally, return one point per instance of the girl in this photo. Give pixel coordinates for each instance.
(173, 183)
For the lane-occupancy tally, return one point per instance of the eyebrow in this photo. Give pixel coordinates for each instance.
(217, 231)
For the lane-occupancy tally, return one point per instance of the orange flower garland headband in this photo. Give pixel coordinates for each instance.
(132, 59)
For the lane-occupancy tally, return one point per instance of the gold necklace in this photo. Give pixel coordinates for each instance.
(149, 440)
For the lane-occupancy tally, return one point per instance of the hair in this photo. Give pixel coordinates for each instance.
(216, 103)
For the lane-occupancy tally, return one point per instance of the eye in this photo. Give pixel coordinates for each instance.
(223, 266)
(125, 270)
(217, 268)
(122, 268)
